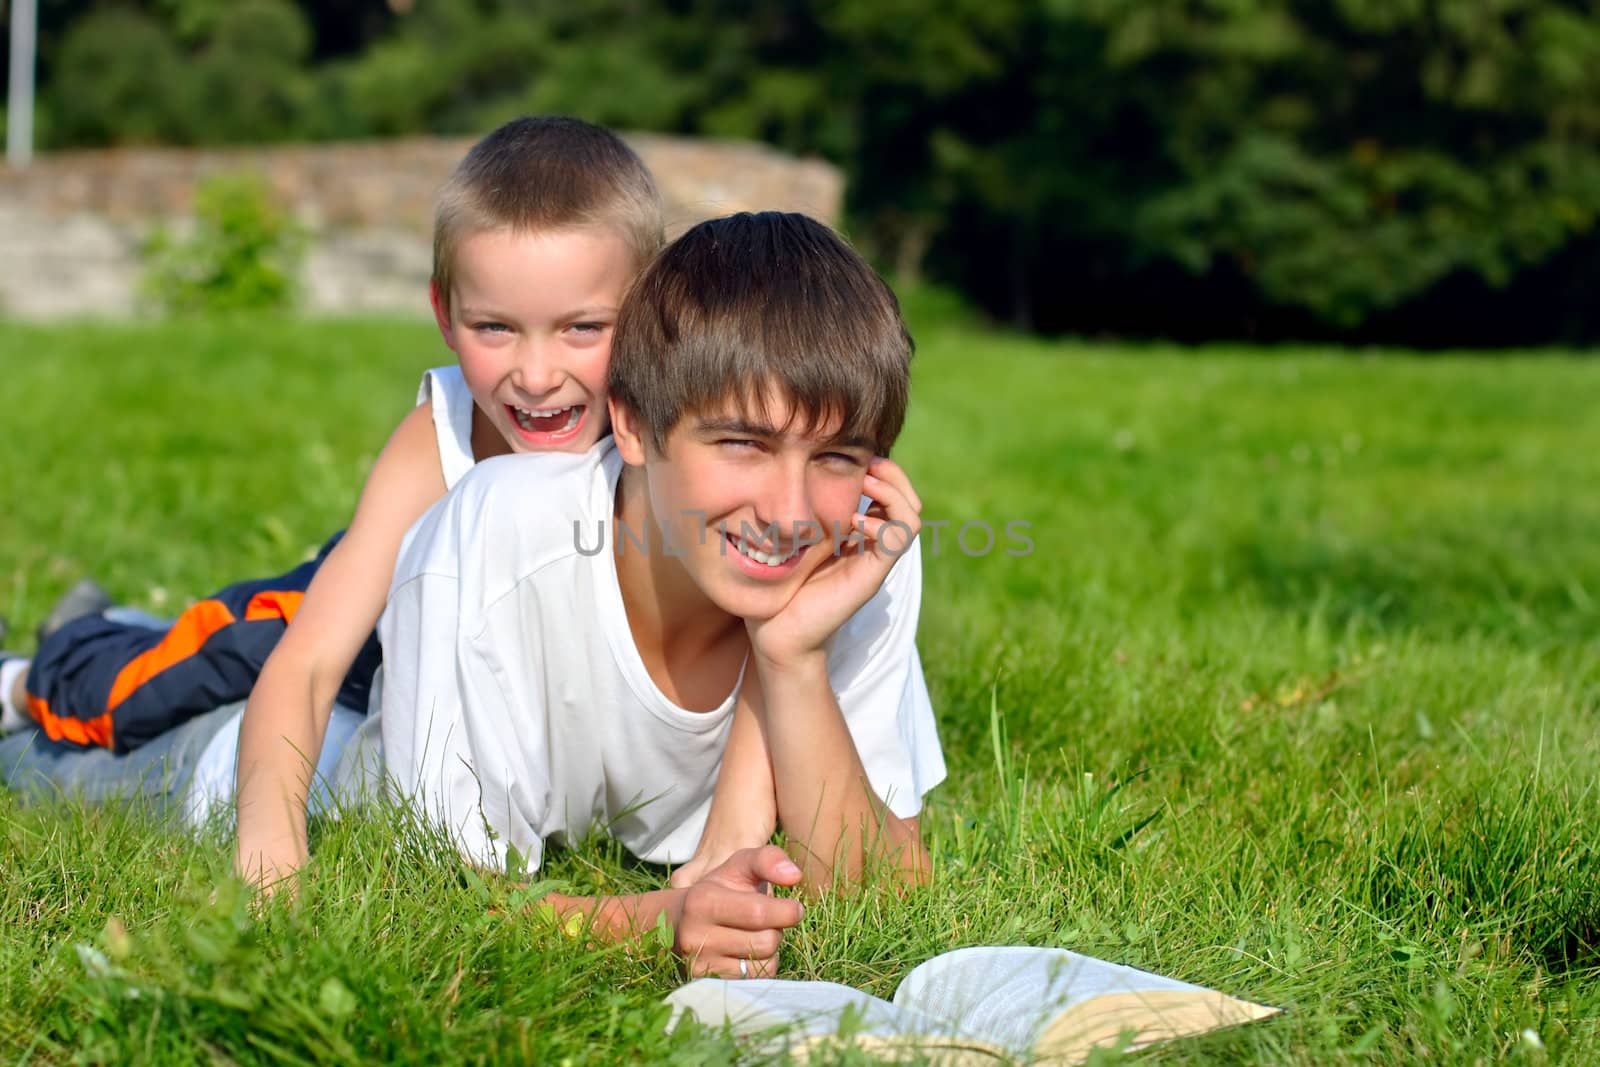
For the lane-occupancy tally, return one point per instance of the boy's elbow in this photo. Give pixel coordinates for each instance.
(894, 856)
(913, 864)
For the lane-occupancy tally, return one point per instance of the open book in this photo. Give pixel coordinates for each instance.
(974, 1005)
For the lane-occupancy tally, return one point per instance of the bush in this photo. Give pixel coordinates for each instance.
(105, 88)
(243, 253)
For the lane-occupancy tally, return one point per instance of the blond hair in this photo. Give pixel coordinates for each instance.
(749, 303)
(543, 173)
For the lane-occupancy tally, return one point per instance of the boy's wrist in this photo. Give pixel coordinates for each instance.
(788, 668)
(264, 856)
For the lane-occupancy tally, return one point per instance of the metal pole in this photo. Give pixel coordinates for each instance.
(19, 96)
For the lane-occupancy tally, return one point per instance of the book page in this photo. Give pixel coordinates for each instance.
(1058, 1004)
(801, 1015)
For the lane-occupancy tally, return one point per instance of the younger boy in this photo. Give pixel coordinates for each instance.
(546, 217)
(537, 234)
(570, 640)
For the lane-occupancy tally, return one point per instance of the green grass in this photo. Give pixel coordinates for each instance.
(1295, 696)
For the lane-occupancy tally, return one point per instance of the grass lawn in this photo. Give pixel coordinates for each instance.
(1296, 695)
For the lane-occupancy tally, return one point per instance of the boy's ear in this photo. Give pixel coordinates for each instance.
(628, 433)
(441, 317)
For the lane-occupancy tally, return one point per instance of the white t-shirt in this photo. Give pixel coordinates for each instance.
(516, 707)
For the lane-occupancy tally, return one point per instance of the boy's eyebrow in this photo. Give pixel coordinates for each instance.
(745, 427)
(467, 311)
(852, 441)
(737, 426)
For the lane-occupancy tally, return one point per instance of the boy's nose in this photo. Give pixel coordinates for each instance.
(537, 371)
(782, 500)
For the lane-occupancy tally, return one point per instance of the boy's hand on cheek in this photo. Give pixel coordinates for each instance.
(729, 916)
(846, 580)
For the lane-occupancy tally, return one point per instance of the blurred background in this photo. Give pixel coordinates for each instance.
(1418, 172)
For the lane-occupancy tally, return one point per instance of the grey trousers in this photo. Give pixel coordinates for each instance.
(38, 768)
(34, 766)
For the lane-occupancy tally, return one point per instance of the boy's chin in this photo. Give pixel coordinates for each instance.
(753, 603)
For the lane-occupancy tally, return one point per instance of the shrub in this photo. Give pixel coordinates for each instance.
(243, 252)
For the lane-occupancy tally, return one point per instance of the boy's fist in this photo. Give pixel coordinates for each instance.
(728, 916)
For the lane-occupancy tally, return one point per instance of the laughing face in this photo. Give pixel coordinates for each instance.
(530, 320)
(750, 502)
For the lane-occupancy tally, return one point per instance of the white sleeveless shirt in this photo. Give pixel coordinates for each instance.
(447, 391)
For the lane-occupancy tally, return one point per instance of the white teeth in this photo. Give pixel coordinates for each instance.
(525, 416)
(769, 558)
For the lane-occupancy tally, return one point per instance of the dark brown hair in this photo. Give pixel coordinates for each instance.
(752, 302)
(546, 173)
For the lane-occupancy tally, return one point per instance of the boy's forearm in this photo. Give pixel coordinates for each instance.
(744, 811)
(620, 918)
(744, 804)
(278, 745)
(826, 805)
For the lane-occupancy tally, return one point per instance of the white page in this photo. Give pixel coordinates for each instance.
(807, 1008)
(1006, 995)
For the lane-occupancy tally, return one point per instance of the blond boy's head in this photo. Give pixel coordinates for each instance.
(541, 174)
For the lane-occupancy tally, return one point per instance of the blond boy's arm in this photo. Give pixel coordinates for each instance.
(287, 714)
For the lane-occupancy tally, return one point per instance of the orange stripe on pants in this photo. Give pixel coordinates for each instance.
(95, 731)
(276, 605)
(193, 628)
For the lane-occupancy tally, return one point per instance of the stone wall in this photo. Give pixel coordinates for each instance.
(71, 225)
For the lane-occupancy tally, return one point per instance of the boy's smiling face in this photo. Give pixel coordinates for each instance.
(530, 319)
(751, 499)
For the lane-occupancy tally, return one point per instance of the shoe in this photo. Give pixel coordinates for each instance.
(11, 719)
(84, 598)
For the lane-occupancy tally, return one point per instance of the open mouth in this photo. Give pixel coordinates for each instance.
(545, 423)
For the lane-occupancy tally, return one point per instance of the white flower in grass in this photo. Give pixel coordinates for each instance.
(95, 964)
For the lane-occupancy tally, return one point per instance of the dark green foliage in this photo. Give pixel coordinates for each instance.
(190, 73)
(104, 92)
(1280, 166)
(1348, 156)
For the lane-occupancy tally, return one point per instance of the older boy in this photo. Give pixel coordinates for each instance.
(570, 640)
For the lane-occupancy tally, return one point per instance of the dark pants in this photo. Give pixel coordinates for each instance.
(99, 682)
